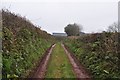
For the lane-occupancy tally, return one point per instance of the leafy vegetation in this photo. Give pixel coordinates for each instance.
(98, 52)
(73, 29)
(23, 45)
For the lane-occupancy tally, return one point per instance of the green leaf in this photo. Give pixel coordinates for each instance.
(106, 71)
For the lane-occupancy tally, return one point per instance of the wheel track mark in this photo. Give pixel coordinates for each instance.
(76, 68)
(41, 70)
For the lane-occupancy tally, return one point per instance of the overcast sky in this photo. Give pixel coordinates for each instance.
(54, 15)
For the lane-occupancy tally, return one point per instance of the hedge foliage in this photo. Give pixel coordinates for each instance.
(23, 44)
(99, 53)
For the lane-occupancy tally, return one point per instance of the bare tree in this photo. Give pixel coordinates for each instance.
(113, 28)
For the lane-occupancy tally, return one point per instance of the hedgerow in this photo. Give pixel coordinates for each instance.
(23, 44)
(98, 52)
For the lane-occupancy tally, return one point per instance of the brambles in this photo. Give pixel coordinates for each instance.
(23, 45)
(99, 53)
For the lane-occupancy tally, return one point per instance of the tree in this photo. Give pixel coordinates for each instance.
(73, 29)
(113, 28)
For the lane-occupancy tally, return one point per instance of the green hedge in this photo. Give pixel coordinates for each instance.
(23, 45)
(98, 53)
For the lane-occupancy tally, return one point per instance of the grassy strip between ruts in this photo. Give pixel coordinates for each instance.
(59, 65)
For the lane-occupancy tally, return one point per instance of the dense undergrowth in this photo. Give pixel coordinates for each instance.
(98, 53)
(23, 45)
